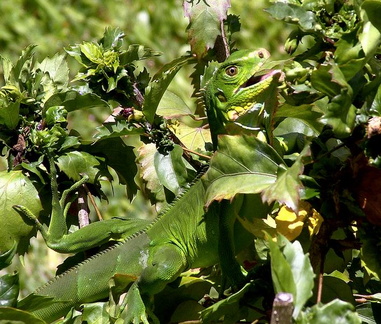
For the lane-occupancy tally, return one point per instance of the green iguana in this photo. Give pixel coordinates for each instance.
(185, 235)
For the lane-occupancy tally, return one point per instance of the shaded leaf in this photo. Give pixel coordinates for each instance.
(145, 158)
(287, 186)
(73, 100)
(120, 157)
(172, 106)
(116, 129)
(9, 289)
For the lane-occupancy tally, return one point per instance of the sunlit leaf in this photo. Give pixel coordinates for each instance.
(16, 188)
(250, 169)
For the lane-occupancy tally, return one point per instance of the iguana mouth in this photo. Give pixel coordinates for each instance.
(256, 78)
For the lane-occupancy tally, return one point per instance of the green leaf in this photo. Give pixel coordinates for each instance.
(250, 169)
(92, 51)
(159, 84)
(228, 307)
(171, 170)
(16, 188)
(286, 189)
(55, 114)
(291, 271)
(206, 19)
(340, 113)
(335, 312)
(136, 52)
(172, 106)
(294, 14)
(96, 313)
(372, 8)
(25, 57)
(112, 38)
(73, 100)
(309, 114)
(15, 316)
(9, 290)
(75, 163)
(152, 186)
(9, 113)
(57, 69)
(120, 157)
(7, 257)
(117, 129)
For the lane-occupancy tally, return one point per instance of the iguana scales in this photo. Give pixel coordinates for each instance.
(185, 235)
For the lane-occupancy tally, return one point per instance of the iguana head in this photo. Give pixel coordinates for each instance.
(239, 83)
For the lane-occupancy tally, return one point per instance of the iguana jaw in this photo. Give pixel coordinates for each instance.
(256, 79)
(248, 93)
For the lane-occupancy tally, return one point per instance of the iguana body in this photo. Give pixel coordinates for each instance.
(184, 236)
(155, 255)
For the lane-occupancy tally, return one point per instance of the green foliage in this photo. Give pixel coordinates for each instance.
(324, 148)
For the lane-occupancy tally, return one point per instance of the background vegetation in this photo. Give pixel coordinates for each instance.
(324, 149)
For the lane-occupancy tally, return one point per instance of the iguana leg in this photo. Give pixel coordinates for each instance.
(56, 235)
(164, 266)
(231, 270)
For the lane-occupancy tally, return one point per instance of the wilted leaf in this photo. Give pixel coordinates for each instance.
(148, 173)
(206, 19)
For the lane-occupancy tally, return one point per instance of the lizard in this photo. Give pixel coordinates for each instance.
(185, 235)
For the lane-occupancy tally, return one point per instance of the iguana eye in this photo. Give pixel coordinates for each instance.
(231, 70)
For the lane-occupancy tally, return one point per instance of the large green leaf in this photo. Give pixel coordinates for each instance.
(242, 164)
(16, 189)
(9, 289)
(76, 163)
(291, 271)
